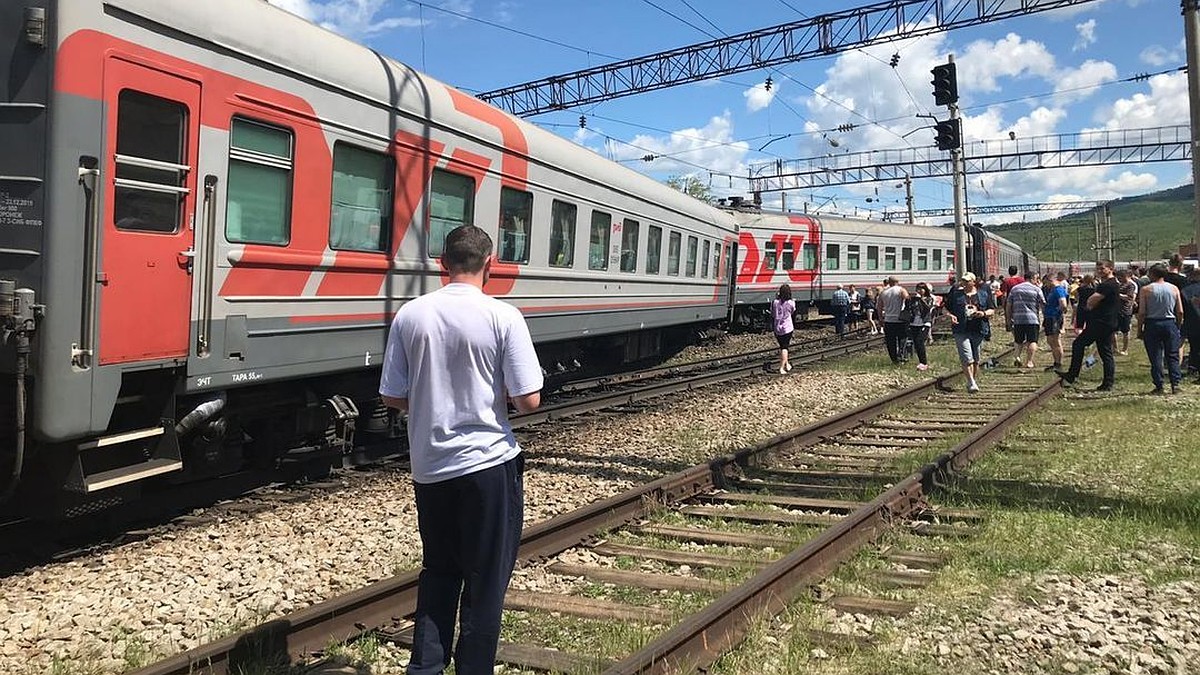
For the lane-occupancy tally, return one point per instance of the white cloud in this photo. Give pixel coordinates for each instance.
(1076, 84)
(759, 97)
(1087, 35)
(682, 152)
(1158, 55)
(1165, 104)
(984, 61)
(356, 18)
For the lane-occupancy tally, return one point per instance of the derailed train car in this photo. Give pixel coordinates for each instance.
(814, 254)
(211, 211)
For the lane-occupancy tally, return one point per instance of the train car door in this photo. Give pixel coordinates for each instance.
(152, 126)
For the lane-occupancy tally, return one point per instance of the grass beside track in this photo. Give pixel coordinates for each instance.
(1092, 485)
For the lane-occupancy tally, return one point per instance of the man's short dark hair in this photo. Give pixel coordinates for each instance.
(1012, 270)
(1107, 264)
(1176, 261)
(1030, 275)
(467, 249)
(1158, 271)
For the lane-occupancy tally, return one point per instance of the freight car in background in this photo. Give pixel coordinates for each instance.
(212, 210)
(814, 254)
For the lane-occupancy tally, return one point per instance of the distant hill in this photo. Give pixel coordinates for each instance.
(1146, 226)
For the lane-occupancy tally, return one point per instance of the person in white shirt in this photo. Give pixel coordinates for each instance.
(455, 358)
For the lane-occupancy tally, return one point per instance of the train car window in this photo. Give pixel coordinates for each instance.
(562, 234)
(949, 259)
(889, 257)
(789, 256)
(598, 245)
(151, 178)
(937, 259)
(674, 244)
(451, 204)
(922, 259)
(629, 245)
(704, 259)
(654, 250)
(360, 218)
(872, 257)
(516, 211)
(852, 257)
(260, 184)
(716, 268)
(770, 255)
(906, 258)
(693, 245)
(810, 257)
(833, 256)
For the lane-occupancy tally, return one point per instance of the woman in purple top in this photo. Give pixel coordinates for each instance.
(782, 308)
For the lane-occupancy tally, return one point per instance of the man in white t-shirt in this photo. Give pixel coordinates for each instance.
(455, 357)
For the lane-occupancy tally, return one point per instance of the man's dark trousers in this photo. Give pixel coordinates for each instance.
(1102, 337)
(839, 319)
(1161, 337)
(894, 335)
(470, 531)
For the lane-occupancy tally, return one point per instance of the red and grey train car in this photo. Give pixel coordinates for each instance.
(814, 254)
(209, 212)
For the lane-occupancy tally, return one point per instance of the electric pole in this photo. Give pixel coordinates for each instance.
(1191, 26)
(908, 199)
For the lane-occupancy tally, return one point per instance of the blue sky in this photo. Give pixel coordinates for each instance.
(1052, 72)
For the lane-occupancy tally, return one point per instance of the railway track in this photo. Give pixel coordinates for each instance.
(31, 543)
(773, 482)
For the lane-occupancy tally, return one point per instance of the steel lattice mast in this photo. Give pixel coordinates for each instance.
(817, 36)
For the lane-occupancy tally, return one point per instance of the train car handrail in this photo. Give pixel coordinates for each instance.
(89, 178)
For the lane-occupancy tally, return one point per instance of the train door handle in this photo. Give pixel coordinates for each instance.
(186, 259)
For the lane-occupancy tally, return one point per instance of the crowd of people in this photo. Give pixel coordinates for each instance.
(1160, 303)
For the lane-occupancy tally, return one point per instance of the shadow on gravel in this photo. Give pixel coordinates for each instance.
(616, 466)
(1178, 511)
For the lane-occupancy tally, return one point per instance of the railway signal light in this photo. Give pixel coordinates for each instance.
(948, 134)
(945, 84)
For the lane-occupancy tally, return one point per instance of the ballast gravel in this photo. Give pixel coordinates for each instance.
(185, 586)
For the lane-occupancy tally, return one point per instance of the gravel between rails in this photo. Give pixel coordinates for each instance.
(172, 591)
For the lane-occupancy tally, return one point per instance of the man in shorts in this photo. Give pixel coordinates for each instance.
(1129, 294)
(1055, 310)
(1024, 303)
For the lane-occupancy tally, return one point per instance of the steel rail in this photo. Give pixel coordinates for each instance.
(603, 400)
(388, 602)
(702, 638)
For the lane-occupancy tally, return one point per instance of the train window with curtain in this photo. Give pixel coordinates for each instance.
(950, 259)
(674, 244)
(770, 255)
(451, 204)
(598, 244)
(937, 259)
(693, 245)
(833, 256)
(810, 257)
(629, 245)
(562, 234)
(872, 257)
(889, 257)
(516, 212)
(716, 268)
(152, 170)
(852, 257)
(259, 192)
(654, 250)
(906, 258)
(789, 256)
(922, 259)
(360, 217)
(704, 259)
